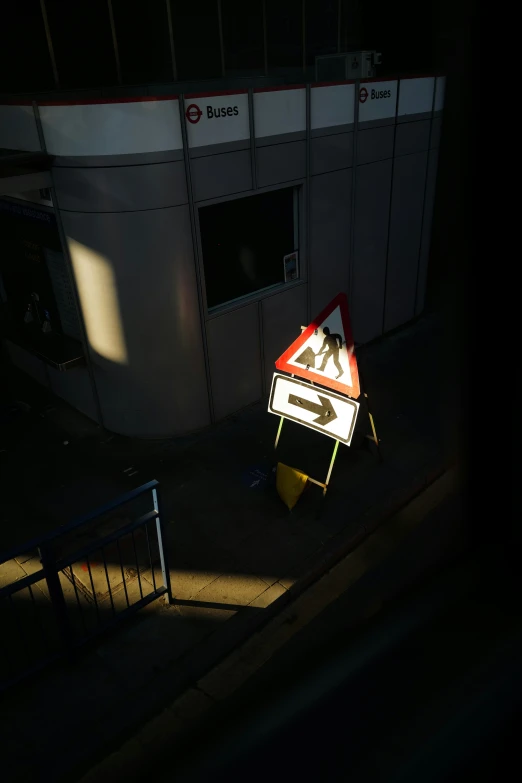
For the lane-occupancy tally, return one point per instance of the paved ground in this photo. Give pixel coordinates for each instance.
(422, 693)
(251, 690)
(234, 549)
(396, 664)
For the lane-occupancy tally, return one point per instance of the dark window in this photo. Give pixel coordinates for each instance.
(142, 34)
(25, 63)
(244, 242)
(82, 42)
(37, 304)
(26, 233)
(321, 28)
(196, 39)
(284, 34)
(402, 52)
(243, 36)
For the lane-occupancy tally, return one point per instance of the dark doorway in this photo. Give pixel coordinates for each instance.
(244, 243)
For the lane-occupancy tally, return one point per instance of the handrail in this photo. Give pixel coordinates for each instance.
(49, 580)
(22, 584)
(35, 543)
(68, 560)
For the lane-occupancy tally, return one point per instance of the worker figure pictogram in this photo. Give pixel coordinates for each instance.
(324, 352)
(331, 346)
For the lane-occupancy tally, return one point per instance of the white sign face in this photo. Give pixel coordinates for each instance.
(215, 119)
(325, 352)
(279, 111)
(313, 407)
(415, 96)
(333, 105)
(377, 100)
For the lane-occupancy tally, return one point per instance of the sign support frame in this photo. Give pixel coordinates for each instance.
(360, 385)
(279, 431)
(324, 485)
(373, 437)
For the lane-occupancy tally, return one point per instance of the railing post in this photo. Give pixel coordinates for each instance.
(160, 531)
(56, 595)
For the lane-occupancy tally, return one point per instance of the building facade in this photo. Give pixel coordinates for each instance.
(183, 235)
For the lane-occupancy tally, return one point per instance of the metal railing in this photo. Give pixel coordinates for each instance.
(66, 587)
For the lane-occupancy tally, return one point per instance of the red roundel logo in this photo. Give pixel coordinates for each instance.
(363, 94)
(193, 113)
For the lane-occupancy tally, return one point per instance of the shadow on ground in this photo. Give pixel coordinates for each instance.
(234, 549)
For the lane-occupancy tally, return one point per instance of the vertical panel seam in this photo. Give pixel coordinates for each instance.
(39, 127)
(351, 259)
(195, 250)
(303, 32)
(308, 204)
(252, 128)
(390, 209)
(114, 41)
(338, 26)
(50, 46)
(265, 45)
(261, 346)
(221, 42)
(171, 41)
(79, 311)
(424, 199)
(70, 274)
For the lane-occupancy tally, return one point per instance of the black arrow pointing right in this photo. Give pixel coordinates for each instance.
(325, 410)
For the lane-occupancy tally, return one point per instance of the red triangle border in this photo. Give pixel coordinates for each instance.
(353, 391)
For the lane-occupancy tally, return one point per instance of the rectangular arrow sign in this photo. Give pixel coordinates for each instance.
(313, 407)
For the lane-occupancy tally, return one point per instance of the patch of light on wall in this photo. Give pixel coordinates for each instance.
(98, 295)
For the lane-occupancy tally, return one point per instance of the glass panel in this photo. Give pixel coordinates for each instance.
(143, 40)
(82, 42)
(24, 56)
(321, 28)
(26, 234)
(243, 37)
(284, 34)
(351, 26)
(196, 39)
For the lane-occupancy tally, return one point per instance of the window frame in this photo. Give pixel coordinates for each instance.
(299, 187)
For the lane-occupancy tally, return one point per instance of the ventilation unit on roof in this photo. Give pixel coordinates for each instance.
(347, 65)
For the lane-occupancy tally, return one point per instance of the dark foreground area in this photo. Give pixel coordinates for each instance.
(430, 689)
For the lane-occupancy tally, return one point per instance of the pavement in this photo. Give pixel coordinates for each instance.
(287, 664)
(399, 663)
(418, 688)
(237, 557)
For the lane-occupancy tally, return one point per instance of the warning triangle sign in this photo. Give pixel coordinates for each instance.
(324, 353)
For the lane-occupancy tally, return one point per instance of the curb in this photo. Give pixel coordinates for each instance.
(192, 702)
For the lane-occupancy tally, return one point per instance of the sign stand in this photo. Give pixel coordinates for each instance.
(279, 431)
(324, 354)
(330, 468)
(373, 437)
